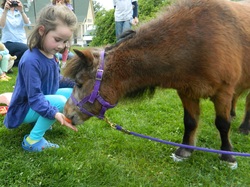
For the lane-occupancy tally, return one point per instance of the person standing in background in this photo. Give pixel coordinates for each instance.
(12, 21)
(63, 2)
(126, 14)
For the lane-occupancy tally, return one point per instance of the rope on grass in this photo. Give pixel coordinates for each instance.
(117, 127)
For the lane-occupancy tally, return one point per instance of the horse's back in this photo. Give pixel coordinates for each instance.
(210, 33)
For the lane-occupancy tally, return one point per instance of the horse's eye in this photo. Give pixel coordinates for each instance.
(78, 85)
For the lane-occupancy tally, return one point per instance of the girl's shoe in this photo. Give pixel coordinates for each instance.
(37, 147)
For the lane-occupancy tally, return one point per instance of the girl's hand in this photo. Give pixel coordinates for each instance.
(64, 121)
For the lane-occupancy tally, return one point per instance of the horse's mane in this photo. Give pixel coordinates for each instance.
(122, 38)
(140, 92)
(126, 35)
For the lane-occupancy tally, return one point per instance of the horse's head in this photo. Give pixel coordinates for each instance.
(86, 68)
(82, 68)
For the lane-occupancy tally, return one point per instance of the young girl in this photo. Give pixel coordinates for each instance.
(37, 97)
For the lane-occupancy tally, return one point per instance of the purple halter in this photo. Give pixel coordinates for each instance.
(94, 94)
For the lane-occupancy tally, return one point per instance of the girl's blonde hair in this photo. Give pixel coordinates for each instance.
(50, 17)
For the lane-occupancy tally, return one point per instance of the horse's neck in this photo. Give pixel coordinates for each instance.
(140, 68)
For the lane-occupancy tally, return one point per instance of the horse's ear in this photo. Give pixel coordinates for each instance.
(86, 59)
(79, 53)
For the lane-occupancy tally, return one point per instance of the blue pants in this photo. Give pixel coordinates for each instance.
(121, 26)
(43, 124)
(16, 48)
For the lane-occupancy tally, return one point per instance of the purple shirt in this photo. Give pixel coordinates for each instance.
(37, 76)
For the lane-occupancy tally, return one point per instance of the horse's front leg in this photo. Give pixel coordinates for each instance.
(222, 106)
(245, 125)
(191, 118)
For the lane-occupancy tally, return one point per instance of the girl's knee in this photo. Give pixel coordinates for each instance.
(61, 101)
(66, 92)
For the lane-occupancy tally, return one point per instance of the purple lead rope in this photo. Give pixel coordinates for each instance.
(117, 127)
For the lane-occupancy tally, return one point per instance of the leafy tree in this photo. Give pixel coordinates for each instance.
(105, 24)
(97, 6)
(149, 8)
(105, 28)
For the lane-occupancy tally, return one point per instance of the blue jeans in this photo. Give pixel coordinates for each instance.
(43, 124)
(16, 48)
(121, 26)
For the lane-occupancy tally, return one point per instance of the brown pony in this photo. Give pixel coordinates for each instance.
(201, 48)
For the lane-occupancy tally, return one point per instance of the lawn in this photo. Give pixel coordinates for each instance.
(98, 155)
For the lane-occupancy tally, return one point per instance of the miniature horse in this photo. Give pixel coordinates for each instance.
(201, 48)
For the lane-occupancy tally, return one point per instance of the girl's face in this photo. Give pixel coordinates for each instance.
(55, 40)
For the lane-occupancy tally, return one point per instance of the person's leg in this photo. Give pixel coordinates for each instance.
(4, 63)
(4, 67)
(64, 57)
(1, 69)
(2, 73)
(126, 26)
(43, 124)
(70, 55)
(16, 48)
(118, 28)
(10, 63)
(66, 92)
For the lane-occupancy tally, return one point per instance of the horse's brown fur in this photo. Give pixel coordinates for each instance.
(201, 48)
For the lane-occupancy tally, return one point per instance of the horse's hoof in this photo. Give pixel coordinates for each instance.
(233, 165)
(177, 158)
(230, 160)
(183, 153)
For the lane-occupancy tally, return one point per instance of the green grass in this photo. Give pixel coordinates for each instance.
(98, 155)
